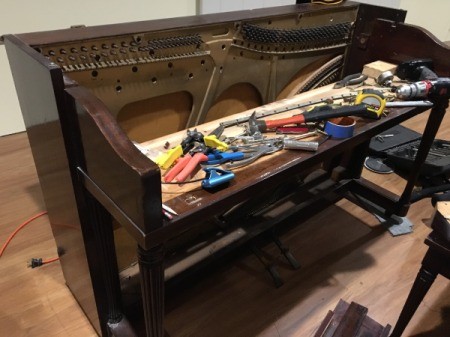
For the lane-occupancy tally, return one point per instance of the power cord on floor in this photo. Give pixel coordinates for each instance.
(34, 262)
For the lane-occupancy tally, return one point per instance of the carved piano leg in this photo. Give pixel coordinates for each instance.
(425, 278)
(152, 284)
(102, 227)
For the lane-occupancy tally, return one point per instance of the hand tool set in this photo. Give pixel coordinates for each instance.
(217, 154)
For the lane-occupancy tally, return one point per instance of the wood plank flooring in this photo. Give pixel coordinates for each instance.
(343, 251)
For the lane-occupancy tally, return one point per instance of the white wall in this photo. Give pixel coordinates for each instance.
(434, 15)
(383, 3)
(217, 6)
(431, 14)
(21, 16)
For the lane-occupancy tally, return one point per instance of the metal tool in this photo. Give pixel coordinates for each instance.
(353, 79)
(262, 114)
(212, 140)
(428, 85)
(373, 99)
(425, 89)
(319, 113)
(313, 133)
(385, 78)
(259, 151)
(292, 144)
(406, 104)
(380, 138)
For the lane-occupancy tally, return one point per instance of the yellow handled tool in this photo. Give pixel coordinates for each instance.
(166, 159)
(373, 99)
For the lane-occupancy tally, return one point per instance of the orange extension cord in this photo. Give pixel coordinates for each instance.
(18, 229)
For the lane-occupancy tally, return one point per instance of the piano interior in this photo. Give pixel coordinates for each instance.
(158, 82)
(162, 77)
(162, 81)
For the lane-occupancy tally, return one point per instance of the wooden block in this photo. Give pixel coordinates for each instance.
(350, 320)
(374, 69)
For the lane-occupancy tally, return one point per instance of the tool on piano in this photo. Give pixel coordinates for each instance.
(318, 113)
(212, 140)
(373, 99)
(215, 177)
(427, 84)
(353, 79)
(186, 165)
(288, 107)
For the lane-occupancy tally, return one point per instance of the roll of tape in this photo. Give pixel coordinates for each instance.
(342, 127)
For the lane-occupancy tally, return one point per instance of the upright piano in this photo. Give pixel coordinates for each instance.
(90, 94)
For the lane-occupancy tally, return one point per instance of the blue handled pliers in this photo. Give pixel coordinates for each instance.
(218, 157)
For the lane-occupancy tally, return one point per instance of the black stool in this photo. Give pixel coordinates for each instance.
(436, 261)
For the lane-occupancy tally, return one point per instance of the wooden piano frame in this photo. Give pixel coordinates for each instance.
(87, 92)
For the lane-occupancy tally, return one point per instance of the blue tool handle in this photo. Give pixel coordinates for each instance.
(222, 157)
(215, 177)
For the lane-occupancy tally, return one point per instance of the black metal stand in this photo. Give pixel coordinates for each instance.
(434, 122)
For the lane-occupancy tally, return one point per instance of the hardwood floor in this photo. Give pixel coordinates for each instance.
(343, 251)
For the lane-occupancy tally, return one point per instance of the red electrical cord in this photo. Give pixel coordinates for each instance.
(50, 260)
(18, 229)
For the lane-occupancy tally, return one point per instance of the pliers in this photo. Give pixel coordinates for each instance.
(263, 149)
(350, 80)
(218, 157)
(185, 166)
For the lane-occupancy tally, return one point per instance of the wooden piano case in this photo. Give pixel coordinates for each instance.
(88, 93)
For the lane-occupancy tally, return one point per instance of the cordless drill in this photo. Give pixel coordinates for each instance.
(427, 84)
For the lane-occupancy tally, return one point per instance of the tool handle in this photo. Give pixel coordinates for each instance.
(222, 157)
(165, 160)
(191, 165)
(274, 123)
(348, 110)
(179, 166)
(214, 142)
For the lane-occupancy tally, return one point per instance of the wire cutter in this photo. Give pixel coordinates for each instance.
(185, 166)
(213, 139)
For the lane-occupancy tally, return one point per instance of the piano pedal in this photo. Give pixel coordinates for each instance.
(285, 251)
(269, 266)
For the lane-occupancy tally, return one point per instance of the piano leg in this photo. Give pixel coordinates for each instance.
(103, 231)
(424, 280)
(152, 284)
